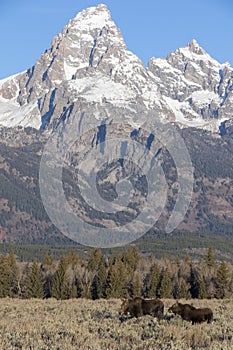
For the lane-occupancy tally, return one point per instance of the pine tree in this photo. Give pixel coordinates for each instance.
(116, 281)
(94, 259)
(222, 280)
(5, 278)
(72, 259)
(153, 281)
(60, 287)
(113, 283)
(8, 270)
(47, 261)
(34, 282)
(209, 258)
(165, 289)
(48, 267)
(137, 286)
(131, 257)
(99, 282)
(194, 282)
(14, 270)
(202, 290)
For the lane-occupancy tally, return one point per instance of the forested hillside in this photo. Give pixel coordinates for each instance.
(208, 220)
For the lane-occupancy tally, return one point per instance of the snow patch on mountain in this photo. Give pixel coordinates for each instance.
(11, 115)
(205, 97)
(194, 120)
(99, 87)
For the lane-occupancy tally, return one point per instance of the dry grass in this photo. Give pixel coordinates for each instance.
(85, 324)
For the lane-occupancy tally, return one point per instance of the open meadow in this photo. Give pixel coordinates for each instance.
(85, 324)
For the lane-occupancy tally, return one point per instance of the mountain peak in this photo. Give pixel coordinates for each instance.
(85, 42)
(196, 48)
(194, 52)
(92, 17)
(86, 39)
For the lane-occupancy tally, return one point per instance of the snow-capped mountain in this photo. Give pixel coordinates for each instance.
(196, 87)
(89, 62)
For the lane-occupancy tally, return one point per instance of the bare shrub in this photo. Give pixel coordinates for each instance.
(86, 324)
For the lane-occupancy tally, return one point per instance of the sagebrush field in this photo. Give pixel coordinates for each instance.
(85, 324)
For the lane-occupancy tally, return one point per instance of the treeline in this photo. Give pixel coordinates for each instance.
(126, 274)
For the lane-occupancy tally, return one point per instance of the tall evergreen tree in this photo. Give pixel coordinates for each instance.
(113, 283)
(116, 281)
(165, 289)
(131, 257)
(72, 259)
(14, 271)
(60, 286)
(94, 260)
(137, 286)
(99, 282)
(210, 258)
(48, 267)
(5, 278)
(48, 261)
(34, 282)
(202, 294)
(222, 280)
(194, 282)
(8, 270)
(153, 281)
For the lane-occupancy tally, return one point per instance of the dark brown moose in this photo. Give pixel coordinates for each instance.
(138, 307)
(190, 313)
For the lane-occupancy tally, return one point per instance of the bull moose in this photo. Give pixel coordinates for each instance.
(190, 313)
(138, 307)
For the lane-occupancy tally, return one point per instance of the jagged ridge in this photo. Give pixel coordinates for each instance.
(89, 60)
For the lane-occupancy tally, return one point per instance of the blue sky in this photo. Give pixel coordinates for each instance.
(150, 27)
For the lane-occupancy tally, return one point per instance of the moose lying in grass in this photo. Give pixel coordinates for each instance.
(190, 313)
(138, 307)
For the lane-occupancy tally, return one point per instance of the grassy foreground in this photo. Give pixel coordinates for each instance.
(85, 324)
